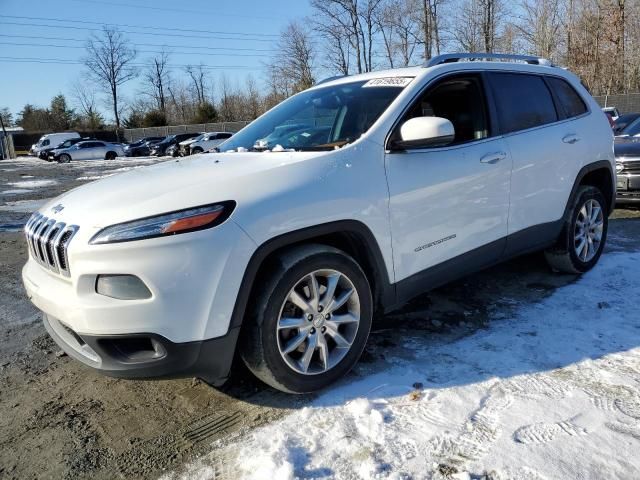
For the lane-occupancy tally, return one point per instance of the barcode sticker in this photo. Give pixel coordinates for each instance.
(389, 82)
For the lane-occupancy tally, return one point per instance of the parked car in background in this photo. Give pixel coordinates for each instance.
(613, 111)
(208, 141)
(427, 174)
(91, 150)
(173, 150)
(141, 148)
(51, 139)
(624, 120)
(185, 145)
(631, 130)
(627, 152)
(49, 154)
(160, 149)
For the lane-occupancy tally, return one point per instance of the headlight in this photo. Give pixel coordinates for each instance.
(619, 167)
(181, 221)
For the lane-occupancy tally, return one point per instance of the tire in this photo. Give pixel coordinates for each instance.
(196, 150)
(110, 156)
(566, 256)
(64, 158)
(265, 338)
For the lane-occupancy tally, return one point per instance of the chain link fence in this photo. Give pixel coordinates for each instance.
(133, 134)
(624, 102)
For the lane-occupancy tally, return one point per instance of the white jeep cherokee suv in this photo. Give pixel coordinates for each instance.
(394, 183)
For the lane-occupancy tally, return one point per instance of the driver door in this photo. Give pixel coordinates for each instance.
(449, 203)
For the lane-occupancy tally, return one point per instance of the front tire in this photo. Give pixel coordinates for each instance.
(64, 158)
(110, 156)
(196, 150)
(310, 321)
(584, 234)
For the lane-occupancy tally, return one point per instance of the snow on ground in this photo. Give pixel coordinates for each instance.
(33, 183)
(551, 392)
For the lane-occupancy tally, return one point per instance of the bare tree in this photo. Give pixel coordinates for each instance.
(540, 26)
(198, 78)
(84, 99)
(294, 63)
(109, 59)
(157, 78)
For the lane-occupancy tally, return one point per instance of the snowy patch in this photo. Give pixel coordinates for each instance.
(551, 392)
(33, 183)
(18, 191)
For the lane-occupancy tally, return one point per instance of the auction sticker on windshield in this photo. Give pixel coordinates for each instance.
(389, 82)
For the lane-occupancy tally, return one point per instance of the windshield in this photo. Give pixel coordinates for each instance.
(320, 119)
(632, 129)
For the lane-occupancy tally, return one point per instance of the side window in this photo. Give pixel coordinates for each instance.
(523, 101)
(225, 135)
(45, 143)
(570, 100)
(460, 99)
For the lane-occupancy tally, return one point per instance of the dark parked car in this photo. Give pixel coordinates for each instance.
(173, 150)
(48, 154)
(160, 149)
(627, 150)
(625, 120)
(142, 147)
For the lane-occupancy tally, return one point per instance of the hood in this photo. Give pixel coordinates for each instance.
(627, 147)
(169, 186)
(187, 142)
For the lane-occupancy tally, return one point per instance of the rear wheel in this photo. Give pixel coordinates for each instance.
(311, 321)
(197, 150)
(584, 234)
(110, 156)
(64, 158)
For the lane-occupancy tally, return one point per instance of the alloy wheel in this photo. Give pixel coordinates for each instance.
(318, 322)
(588, 230)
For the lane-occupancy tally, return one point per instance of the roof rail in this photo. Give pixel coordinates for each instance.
(456, 57)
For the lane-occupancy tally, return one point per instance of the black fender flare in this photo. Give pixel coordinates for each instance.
(584, 171)
(385, 294)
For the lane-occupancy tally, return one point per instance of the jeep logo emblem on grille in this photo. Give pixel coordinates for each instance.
(58, 208)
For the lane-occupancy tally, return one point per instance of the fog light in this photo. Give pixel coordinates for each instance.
(122, 287)
(619, 167)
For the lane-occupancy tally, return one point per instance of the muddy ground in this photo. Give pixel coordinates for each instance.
(59, 419)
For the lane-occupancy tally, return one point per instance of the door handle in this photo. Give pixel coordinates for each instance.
(571, 139)
(493, 157)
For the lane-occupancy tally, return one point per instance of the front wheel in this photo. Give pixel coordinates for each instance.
(584, 234)
(64, 158)
(110, 156)
(197, 150)
(311, 321)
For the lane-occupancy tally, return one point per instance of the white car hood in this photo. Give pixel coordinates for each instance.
(169, 186)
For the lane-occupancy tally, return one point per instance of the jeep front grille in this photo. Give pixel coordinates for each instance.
(48, 242)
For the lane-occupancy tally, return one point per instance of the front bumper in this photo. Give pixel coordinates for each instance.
(628, 187)
(147, 355)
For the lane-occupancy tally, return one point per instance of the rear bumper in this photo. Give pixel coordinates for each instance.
(147, 355)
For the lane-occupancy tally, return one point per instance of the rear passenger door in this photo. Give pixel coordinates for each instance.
(546, 147)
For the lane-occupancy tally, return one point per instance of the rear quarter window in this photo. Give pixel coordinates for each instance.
(570, 101)
(523, 101)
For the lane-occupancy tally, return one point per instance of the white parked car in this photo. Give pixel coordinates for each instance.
(208, 141)
(185, 145)
(51, 140)
(396, 182)
(89, 150)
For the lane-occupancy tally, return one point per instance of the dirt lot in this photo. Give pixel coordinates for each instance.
(60, 420)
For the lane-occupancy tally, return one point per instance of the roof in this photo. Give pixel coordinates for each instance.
(487, 60)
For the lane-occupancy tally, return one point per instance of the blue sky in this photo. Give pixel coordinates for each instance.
(56, 30)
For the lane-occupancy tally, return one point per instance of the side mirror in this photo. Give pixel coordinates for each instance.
(426, 132)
